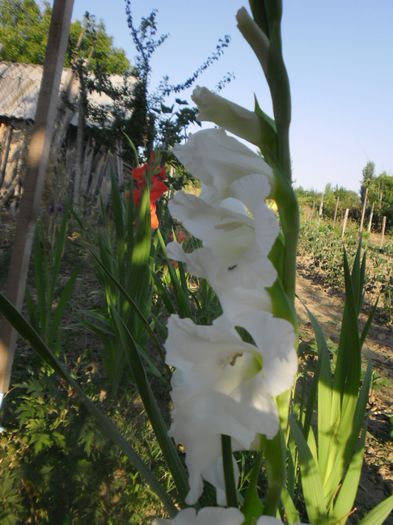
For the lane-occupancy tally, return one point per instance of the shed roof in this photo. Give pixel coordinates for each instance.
(20, 86)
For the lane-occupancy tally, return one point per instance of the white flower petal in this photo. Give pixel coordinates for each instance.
(217, 160)
(252, 191)
(215, 476)
(230, 234)
(275, 338)
(206, 516)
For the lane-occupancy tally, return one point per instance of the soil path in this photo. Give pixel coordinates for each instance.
(377, 477)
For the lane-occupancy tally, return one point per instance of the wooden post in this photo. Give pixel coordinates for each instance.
(345, 223)
(321, 206)
(363, 212)
(80, 137)
(336, 209)
(370, 219)
(36, 165)
(383, 232)
(320, 211)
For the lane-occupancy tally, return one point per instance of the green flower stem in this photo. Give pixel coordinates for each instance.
(289, 218)
(229, 475)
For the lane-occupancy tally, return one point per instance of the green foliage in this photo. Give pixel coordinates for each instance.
(331, 455)
(48, 302)
(60, 469)
(321, 247)
(161, 117)
(24, 27)
(123, 262)
(89, 40)
(109, 429)
(346, 199)
(23, 30)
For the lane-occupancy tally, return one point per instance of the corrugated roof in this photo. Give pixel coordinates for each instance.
(20, 85)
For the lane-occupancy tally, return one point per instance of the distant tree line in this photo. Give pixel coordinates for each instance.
(378, 189)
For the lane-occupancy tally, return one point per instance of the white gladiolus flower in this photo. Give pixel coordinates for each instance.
(215, 516)
(217, 160)
(237, 237)
(239, 288)
(226, 114)
(223, 385)
(206, 516)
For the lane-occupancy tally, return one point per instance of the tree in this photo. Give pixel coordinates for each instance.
(156, 122)
(24, 27)
(368, 175)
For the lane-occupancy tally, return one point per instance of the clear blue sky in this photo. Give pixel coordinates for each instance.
(339, 55)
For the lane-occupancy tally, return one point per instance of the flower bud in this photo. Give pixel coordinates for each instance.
(254, 35)
(227, 114)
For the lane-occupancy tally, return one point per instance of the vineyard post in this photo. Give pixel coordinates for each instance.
(363, 211)
(370, 220)
(345, 223)
(336, 209)
(320, 209)
(383, 232)
(321, 206)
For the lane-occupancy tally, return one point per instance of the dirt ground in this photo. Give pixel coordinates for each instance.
(377, 477)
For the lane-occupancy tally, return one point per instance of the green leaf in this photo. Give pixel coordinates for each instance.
(117, 208)
(347, 494)
(157, 421)
(124, 292)
(351, 425)
(310, 477)
(275, 457)
(61, 305)
(58, 249)
(252, 507)
(328, 413)
(289, 507)
(181, 294)
(379, 513)
(229, 475)
(142, 243)
(368, 323)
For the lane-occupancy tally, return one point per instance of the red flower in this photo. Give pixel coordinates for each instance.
(157, 186)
